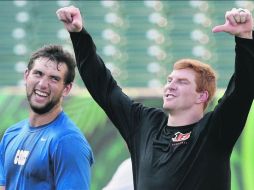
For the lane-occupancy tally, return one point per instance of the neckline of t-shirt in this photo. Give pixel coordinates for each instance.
(33, 129)
(182, 127)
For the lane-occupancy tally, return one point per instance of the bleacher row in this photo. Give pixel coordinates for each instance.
(138, 40)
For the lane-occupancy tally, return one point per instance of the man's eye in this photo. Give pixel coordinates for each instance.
(56, 79)
(183, 82)
(169, 80)
(37, 73)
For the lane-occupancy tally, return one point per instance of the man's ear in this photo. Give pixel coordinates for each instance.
(67, 89)
(203, 97)
(26, 74)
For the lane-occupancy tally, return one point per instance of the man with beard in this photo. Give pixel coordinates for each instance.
(180, 147)
(47, 150)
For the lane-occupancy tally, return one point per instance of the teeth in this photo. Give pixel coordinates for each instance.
(41, 93)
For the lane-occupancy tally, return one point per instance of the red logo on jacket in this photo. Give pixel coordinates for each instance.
(181, 137)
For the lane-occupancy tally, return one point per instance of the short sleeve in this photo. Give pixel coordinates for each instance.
(72, 160)
(2, 173)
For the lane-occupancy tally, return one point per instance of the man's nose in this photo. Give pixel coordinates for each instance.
(43, 83)
(172, 85)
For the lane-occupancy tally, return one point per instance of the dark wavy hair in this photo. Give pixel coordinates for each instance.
(57, 54)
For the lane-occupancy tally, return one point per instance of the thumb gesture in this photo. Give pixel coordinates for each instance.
(238, 22)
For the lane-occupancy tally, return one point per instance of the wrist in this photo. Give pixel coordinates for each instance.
(246, 35)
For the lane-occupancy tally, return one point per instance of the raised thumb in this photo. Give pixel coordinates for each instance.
(220, 28)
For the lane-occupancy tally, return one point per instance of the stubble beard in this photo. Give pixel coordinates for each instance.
(46, 108)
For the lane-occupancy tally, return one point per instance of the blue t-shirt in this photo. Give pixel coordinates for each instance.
(52, 156)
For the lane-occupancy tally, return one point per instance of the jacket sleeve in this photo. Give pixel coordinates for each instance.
(232, 110)
(122, 111)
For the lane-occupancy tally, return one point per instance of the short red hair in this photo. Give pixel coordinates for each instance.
(205, 76)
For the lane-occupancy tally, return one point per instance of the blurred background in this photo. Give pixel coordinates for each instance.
(139, 42)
